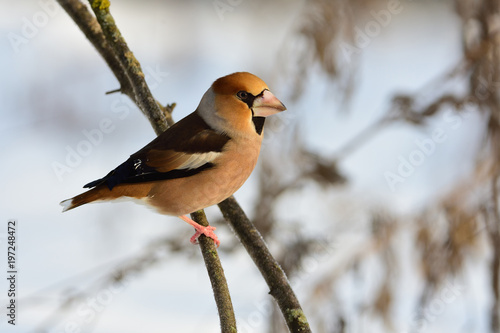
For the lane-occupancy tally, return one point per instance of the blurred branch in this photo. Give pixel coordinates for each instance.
(117, 279)
(443, 253)
(128, 71)
(322, 26)
(305, 167)
(493, 223)
(275, 278)
(362, 137)
(403, 108)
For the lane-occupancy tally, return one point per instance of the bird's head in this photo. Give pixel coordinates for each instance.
(238, 104)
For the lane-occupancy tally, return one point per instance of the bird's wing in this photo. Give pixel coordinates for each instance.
(185, 149)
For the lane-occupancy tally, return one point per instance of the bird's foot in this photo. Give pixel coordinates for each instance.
(207, 231)
(201, 230)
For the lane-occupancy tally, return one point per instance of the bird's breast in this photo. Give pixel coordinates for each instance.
(229, 172)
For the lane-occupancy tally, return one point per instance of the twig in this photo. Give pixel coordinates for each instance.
(275, 278)
(217, 278)
(108, 41)
(128, 71)
(131, 67)
(92, 30)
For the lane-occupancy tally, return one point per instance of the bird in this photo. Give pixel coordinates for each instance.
(199, 161)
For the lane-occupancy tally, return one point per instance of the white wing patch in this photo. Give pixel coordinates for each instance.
(197, 160)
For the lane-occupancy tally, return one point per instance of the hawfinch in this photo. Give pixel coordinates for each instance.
(199, 161)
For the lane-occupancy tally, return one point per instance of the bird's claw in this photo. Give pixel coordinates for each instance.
(207, 231)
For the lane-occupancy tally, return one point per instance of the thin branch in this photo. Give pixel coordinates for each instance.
(127, 69)
(217, 278)
(92, 30)
(119, 58)
(131, 67)
(272, 272)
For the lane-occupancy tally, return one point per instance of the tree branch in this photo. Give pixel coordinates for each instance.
(131, 67)
(275, 278)
(92, 30)
(217, 278)
(108, 41)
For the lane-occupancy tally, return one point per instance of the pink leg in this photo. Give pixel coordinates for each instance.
(207, 231)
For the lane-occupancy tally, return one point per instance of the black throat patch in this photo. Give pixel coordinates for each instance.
(259, 124)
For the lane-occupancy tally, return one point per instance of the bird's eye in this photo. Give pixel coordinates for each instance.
(242, 95)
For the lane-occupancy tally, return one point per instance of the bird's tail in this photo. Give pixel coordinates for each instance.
(95, 194)
(102, 192)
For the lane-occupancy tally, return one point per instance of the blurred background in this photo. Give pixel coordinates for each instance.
(377, 190)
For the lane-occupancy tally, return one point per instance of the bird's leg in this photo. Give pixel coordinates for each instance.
(207, 231)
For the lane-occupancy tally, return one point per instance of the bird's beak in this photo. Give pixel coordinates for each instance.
(266, 105)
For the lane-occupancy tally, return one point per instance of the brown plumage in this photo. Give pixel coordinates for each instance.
(201, 160)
